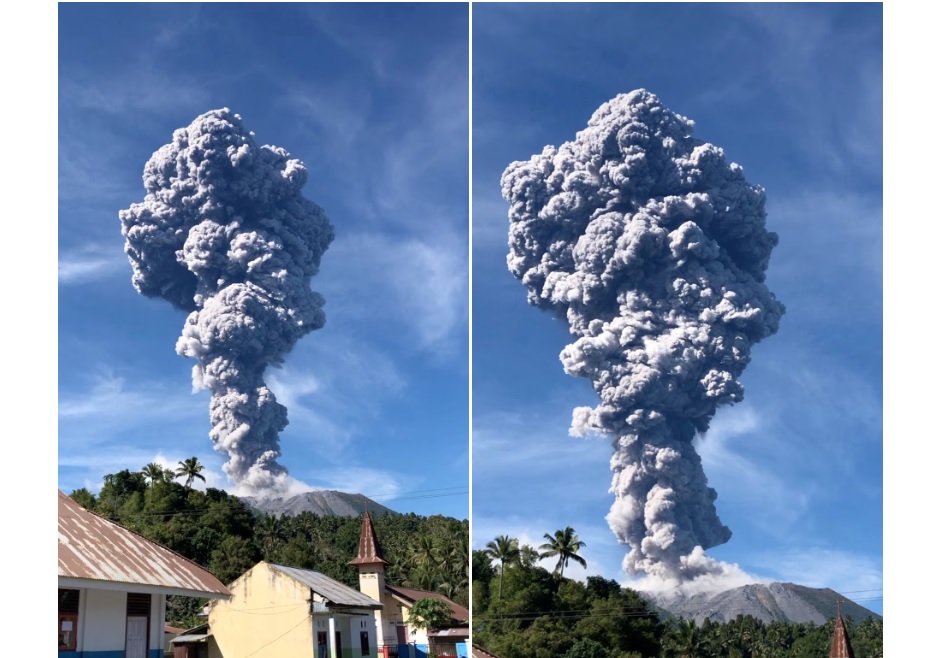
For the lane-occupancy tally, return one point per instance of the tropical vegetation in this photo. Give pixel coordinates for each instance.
(522, 610)
(222, 534)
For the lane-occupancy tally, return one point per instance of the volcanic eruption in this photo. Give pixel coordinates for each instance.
(224, 233)
(654, 248)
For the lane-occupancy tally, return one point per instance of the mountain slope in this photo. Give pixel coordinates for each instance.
(774, 601)
(320, 503)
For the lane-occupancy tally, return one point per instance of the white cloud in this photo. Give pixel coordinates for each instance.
(140, 89)
(728, 576)
(490, 225)
(419, 282)
(539, 442)
(841, 570)
(753, 475)
(111, 402)
(371, 482)
(90, 262)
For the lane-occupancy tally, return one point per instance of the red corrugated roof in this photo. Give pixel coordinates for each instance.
(369, 551)
(93, 548)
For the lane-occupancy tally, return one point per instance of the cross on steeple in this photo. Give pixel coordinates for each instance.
(840, 644)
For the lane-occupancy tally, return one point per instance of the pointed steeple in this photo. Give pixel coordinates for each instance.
(840, 645)
(369, 551)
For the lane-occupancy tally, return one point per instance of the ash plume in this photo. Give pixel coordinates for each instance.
(654, 249)
(225, 234)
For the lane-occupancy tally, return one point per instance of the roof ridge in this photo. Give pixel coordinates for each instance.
(68, 500)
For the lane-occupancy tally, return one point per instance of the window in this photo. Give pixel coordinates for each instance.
(68, 619)
(321, 645)
(364, 642)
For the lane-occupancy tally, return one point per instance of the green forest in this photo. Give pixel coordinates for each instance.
(522, 610)
(222, 534)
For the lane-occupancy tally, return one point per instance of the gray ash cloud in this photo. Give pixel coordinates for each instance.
(225, 234)
(654, 249)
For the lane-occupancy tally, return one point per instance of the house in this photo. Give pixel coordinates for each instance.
(277, 611)
(191, 643)
(113, 585)
(393, 632)
(170, 632)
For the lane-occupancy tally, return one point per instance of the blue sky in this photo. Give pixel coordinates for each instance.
(374, 100)
(793, 93)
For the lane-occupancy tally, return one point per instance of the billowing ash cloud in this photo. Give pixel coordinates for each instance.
(224, 233)
(654, 248)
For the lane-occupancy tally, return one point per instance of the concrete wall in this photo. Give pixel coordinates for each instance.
(102, 625)
(358, 625)
(268, 614)
(105, 622)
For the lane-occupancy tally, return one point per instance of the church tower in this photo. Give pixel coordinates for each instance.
(372, 578)
(840, 643)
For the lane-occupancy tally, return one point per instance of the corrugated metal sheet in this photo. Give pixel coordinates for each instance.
(461, 631)
(406, 594)
(478, 652)
(369, 551)
(335, 592)
(94, 548)
(840, 644)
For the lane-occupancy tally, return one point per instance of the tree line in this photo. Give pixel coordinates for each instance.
(223, 535)
(522, 610)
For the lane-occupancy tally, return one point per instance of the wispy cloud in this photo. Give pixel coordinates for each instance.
(753, 482)
(601, 552)
(418, 284)
(490, 225)
(819, 566)
(840, 236)
(97, 464)
(138, 90)
(371, 482)
(835, 119)
(507, 441)
(111, 400)
(90, 262)
(314, 415)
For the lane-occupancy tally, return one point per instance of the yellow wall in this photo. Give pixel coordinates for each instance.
(268, 616)
(420, 636)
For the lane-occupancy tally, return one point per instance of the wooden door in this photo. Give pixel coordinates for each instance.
(136, 645)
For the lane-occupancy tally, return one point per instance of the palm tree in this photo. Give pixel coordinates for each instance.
(191, 469)
(565, 544)
(528, 556)
(268, 531)
(684, 640)
(153, 472)
(505, 549)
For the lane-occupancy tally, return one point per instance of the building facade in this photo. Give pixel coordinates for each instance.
(396, 636)
(113, 585)
(285, 612)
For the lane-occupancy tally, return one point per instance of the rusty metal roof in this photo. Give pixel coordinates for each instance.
(369, 551)
(459, 631)
(335, 592)
(409, 596)
(840, 644)
(95, 549)
(480, 652)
